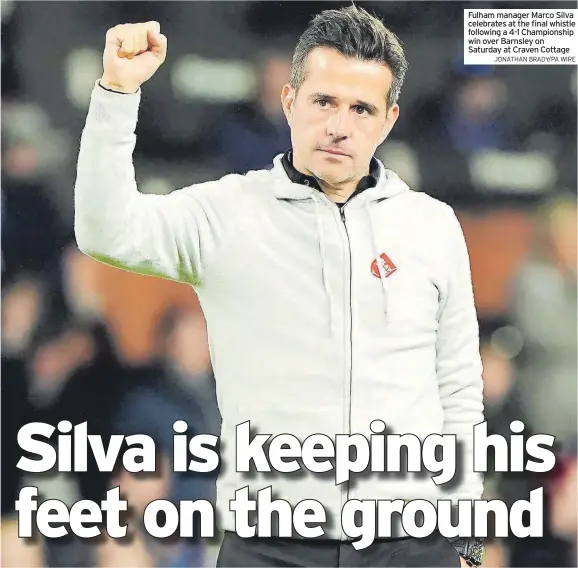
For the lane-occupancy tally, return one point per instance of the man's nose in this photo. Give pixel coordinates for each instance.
(338, 124)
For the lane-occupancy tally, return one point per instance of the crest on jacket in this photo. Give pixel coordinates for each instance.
(386, 263)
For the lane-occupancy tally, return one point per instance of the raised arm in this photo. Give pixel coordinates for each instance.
(172, 236)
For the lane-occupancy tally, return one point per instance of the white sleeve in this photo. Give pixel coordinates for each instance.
(172, 236)
(459, 366)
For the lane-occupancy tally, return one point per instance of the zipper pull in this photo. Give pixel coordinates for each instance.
(342, 213)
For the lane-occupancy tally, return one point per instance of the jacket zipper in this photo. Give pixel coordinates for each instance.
(349, 348)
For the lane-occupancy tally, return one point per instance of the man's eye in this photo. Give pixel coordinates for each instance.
(360, 109)
(323, 103)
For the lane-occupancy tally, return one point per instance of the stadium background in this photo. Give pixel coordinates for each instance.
(127, 354)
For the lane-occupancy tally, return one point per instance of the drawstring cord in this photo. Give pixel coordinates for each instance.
(378, 259)
(320, 237)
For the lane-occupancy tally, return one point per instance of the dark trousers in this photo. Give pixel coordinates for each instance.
(433, 551)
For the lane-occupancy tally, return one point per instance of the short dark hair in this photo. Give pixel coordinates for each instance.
(353, 32)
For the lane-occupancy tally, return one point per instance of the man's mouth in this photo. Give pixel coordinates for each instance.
(334, 151)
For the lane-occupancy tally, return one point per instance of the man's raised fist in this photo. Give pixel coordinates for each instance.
(132, 54)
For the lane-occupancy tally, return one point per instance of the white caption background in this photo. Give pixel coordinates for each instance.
(520, 37)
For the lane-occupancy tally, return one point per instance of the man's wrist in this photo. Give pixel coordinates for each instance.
(470, 549)
(111, 87)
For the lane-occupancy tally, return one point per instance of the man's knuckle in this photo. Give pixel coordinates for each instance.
(118, 31)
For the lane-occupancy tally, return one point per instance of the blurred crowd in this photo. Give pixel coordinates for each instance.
(62, 358)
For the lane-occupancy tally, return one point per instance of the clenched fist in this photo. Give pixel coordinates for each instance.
(132, 54)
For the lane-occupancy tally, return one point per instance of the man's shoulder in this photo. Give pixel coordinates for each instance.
(430, 204)
(246, 182)
(232, 188)
(426, 211)
(257, 177)
(433, 219)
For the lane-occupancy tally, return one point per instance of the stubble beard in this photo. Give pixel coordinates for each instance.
(331, 180)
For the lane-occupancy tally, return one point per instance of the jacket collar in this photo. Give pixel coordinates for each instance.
(297, 177)
(381, 183)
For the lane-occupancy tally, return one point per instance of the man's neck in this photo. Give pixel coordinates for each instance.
(340, 193)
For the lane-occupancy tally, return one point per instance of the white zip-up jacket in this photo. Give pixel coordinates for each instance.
(307, 334)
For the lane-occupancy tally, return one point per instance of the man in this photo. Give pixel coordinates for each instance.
(334, 295)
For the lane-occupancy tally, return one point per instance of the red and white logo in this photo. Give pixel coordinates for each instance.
(387, 265)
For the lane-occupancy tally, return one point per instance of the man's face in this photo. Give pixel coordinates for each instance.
(339, 115)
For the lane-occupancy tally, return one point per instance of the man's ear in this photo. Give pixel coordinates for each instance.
(288, 101)
(390, 120)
